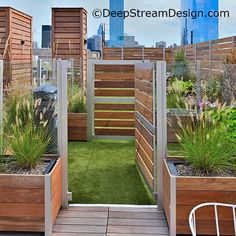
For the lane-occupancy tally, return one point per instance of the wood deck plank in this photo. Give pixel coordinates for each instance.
(82, 214)
(110, 221)
(80, 221)
(138, 222)
(79, 229)
(137, 215)
(137, 230)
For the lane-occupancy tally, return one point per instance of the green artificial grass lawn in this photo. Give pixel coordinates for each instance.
(104, 172)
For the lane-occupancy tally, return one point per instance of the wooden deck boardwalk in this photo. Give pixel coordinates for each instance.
(110, 221)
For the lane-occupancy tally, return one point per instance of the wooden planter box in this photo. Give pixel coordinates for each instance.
(29, 203)
(77, 127)
(181, 194)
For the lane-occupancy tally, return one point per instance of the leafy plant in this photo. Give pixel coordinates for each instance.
(227, 116)
(28, 145)
(177, 93)
(206, 145)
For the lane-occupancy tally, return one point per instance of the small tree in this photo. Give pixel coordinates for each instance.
(181, 68)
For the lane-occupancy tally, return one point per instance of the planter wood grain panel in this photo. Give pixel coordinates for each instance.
(192, 191)
(77, 127)
(22, 200)
(16, 48)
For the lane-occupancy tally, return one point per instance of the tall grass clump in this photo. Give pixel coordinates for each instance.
(28, 145)
(26, 140)
(77, 100)
(206, 145)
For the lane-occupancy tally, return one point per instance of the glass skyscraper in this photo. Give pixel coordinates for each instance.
(116, 25)
(201, 29)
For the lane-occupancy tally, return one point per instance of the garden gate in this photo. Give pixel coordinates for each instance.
(126, 100)
(150, 122)
(111, 100)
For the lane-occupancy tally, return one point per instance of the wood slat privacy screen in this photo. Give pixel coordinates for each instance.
(211, 53)
(69, 32)
(114, 84)
(16, 49)
(152, 54)
(144, 121)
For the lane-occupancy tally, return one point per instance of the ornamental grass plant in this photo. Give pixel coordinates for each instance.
(206, 145)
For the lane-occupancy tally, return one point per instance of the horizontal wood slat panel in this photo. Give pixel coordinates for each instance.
(114, 84)
(77, 120)
(22, 224)
(114, 115)
(114, 123)
(146, 146)
(11, 195)
(22, 210)
(196, 197)
(115, 68)
(144, 132)
(206, 227)
(145, 99)
(114, 76)
(212, 184)
(115, 132)
(16, 181)
(118, 107)
(145, 112)
(144, 86)
(146, 159)
(114, 93)
(144, 169)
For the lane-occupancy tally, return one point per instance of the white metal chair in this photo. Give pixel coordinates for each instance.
(192, 216)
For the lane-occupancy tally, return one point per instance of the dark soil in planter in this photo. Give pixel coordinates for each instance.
(185, 169)
(11, 167)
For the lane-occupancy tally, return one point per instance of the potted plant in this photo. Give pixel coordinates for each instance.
(77, 117)
(30, 182)
(206, 174)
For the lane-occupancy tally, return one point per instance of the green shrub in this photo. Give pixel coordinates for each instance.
(181, 68)
(28, 144)
(227, 116)
(206, 145)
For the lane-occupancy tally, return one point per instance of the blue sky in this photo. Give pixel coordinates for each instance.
(147, 31)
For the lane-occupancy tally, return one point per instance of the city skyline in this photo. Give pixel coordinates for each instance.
(146, 31)
(116, 26)
(201, 29)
